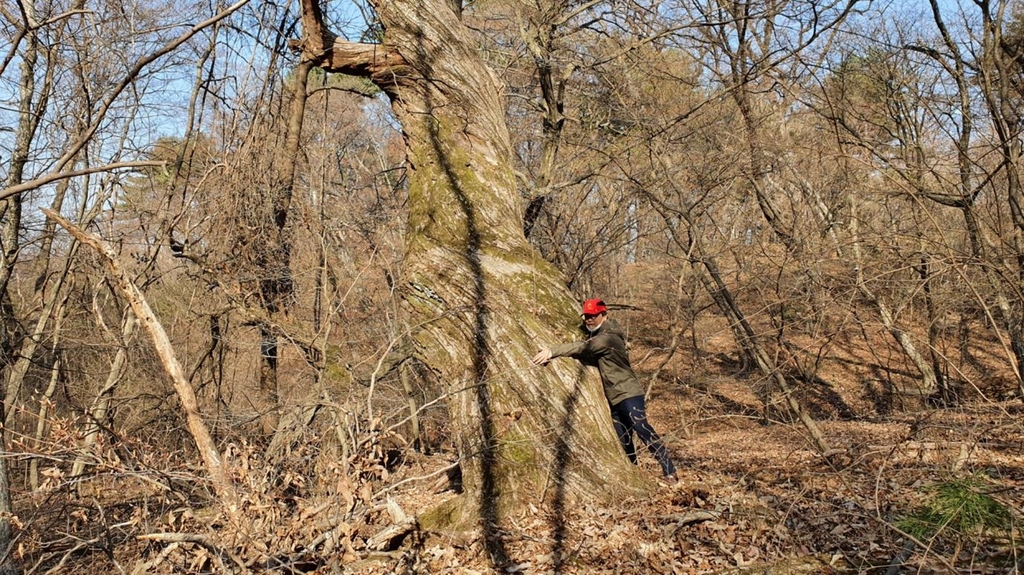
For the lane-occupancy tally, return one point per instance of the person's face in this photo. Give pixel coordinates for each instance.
(593, 321)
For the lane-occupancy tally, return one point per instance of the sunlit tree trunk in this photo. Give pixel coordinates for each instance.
(539, 39)
(45, 402)
(929, 383)
(216, 467)
(479, 297)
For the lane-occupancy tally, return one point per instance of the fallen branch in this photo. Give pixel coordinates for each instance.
(145, 567)
(79, 544)
(388, 538)
(201, 540)
(162, 344)
(684, 519)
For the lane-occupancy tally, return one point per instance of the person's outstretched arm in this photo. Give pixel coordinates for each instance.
(571, 349)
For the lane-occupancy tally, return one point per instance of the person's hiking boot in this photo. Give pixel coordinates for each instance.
(670, 480)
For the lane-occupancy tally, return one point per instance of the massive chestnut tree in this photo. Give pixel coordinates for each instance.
(480, 298)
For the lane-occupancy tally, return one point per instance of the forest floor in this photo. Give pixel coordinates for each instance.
(753, 497)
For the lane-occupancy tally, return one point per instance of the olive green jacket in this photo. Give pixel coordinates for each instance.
(605, 349)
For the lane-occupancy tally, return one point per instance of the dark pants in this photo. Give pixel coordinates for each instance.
(630, 415)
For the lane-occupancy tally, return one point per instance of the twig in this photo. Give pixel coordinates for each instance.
(197, 539)
(145, 567)
(418, 478)
(688, 518)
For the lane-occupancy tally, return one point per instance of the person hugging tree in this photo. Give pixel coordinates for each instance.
(605, 349)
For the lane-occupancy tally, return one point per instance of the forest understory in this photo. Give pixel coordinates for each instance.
(753, 495)
(256, 259)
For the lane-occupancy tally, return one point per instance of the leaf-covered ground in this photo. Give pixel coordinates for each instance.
(753, 496)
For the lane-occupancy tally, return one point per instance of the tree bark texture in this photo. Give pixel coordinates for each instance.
(480, 299)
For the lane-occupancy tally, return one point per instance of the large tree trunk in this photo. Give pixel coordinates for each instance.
(479, 297)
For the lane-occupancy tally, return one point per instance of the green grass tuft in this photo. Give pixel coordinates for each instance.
(960, 507)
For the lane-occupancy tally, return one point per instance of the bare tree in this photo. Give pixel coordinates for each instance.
(998, 61)
(480, 298)
(914, 110)
(215, 464)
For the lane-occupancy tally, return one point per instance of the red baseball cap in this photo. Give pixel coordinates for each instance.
(594, 307)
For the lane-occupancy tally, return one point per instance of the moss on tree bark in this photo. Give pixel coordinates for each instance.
(479, 297)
